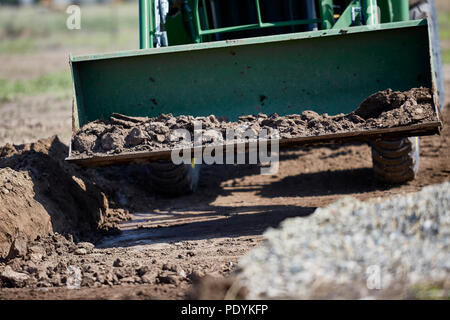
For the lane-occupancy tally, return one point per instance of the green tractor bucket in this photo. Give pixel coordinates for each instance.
(329, 71)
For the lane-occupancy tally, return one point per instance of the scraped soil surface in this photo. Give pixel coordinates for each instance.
(120, 133)
(170, 243)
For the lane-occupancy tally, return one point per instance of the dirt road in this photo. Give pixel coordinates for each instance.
(207, 232)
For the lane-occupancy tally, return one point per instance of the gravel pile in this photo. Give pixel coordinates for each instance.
(354, 249)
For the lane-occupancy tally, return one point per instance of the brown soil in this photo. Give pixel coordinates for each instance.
(177, 240)
(41, 193)
(29, 118)
(121, 133)
(49, 262)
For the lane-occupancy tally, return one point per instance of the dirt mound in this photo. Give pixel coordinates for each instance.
(122, 133)
(387, 100)
(16, 195)
(40, 193)
(56, 261)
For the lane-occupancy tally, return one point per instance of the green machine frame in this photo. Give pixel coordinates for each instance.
(191, 24)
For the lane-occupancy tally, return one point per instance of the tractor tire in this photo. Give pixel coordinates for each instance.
(421, 9)
(174, 180)
(396, 161)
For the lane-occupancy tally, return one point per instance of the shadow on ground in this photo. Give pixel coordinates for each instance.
(323, 183)
(79, 200)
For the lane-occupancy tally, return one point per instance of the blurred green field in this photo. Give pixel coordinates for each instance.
(37, 30)
(58, 83)
(103, 27)
(444, 32)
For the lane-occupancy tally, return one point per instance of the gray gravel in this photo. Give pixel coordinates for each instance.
(351, 249)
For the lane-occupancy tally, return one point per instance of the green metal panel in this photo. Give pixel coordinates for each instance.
(191, 25)
(328, 71)
(326, 12)
(400, 10)
(393, 10)
(176, 30)
(386, 11)
(259, 25)
(146, 24)
(370, 12)
(180, 26)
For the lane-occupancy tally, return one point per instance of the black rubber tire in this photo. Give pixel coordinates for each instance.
(396, 161)
(420, 10)
(174, 180)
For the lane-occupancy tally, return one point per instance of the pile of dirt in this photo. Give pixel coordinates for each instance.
(40, 193)
(56, 261)
(384, 109)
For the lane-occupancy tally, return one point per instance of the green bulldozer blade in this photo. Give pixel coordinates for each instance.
(328, 71)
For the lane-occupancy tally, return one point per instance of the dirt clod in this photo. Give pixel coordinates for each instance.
(12, 278)
(167, 278)
(18, 248)
(87, 246)
(118, 263)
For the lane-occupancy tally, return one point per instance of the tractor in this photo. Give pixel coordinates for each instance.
(202, 57)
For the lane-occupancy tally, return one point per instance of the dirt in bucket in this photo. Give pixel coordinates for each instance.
(120, 133)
